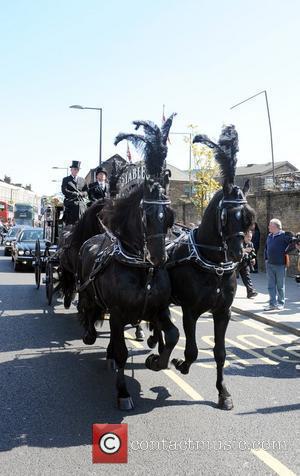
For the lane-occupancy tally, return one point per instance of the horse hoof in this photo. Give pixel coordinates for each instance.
(89, 339)
(111, 364)
(225, 402)
(67, 302)
(125, 403)
(181, 365)
(152, 362)
(151, 342)
(139, 335)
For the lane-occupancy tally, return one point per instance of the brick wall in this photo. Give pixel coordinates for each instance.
(274, 204)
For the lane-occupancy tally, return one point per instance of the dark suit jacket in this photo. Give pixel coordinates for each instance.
(96, 192)
(74, 192)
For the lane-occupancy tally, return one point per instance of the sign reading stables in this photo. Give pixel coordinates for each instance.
(133, 176)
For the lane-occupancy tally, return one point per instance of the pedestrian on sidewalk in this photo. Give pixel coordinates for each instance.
(247, 264)
(275, 258)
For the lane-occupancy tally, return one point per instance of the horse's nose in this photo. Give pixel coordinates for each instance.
(158, 261)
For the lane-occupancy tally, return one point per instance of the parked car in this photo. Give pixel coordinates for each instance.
(24, 247)
(10, 238)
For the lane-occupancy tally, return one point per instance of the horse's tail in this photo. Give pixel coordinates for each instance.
(68, 285)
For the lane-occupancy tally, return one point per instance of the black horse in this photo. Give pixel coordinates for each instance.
(205, 261)
(122, 271)
(72, 239)
(88, 226)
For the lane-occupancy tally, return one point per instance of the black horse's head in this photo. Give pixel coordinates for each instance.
(156, 215)
(234, 216)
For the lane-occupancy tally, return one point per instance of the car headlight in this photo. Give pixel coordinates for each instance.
(20, 252)
(27, 252)
(7, 243)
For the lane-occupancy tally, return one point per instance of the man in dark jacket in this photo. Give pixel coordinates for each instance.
(74, 189)
(247, 264)
(99, 189)
(256, 242)
(275, 257)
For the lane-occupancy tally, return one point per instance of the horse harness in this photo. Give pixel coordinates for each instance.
(115, 250)
(219, 269)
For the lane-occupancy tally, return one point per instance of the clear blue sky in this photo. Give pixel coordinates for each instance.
(197, 57)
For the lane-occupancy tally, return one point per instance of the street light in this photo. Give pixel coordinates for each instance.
(270, 127)
(190, 135)
(76, 106)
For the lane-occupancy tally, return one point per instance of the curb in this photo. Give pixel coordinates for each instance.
(266, 320)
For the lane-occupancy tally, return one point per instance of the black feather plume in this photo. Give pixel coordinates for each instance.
(165, 128)
(225, 151)
(152, 145)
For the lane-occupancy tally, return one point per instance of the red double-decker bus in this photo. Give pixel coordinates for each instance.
(6, 212)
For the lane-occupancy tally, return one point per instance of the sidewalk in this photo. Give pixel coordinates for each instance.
(287, 319)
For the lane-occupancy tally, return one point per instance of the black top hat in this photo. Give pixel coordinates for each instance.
(75, 164)
(99, 170)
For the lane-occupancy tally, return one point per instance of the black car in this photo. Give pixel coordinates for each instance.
(10, 238)
(24, 247)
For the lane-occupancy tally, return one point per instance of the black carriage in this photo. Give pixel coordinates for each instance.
(49, 260)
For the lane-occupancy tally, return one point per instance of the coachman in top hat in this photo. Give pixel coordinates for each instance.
(99, 189)
(75, 190)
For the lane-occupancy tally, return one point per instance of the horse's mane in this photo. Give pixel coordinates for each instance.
(116, 213)
(88, 225)
(118, 168)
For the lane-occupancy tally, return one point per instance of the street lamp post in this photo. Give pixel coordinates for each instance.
(190, 135)
(270, 126)
(76, 106)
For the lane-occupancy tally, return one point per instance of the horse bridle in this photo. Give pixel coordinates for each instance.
(237, 206)
(160, 214)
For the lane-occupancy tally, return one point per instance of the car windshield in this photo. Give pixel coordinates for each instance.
(12, 232)
(31, 235)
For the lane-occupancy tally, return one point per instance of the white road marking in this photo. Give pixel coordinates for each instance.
(245, 339)
(284, 337)
(209, 340)
(273, 463)
(190, 391)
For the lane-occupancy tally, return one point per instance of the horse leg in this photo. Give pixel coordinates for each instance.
(155, 338)
(120, 354)
(191, 349)
(110, 360)
(139, 333)
(220, 325)
(89, 315)
(158, 362)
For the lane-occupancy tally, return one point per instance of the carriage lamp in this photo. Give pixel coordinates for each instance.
(20, 252)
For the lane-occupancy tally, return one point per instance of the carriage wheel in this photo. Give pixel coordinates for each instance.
(38, 264)
(49, 282)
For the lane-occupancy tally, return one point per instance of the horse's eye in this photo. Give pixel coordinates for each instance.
(238, 215)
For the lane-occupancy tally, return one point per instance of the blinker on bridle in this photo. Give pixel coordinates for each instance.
(224, 206)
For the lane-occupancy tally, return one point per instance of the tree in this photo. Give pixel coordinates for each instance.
(206, 169)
